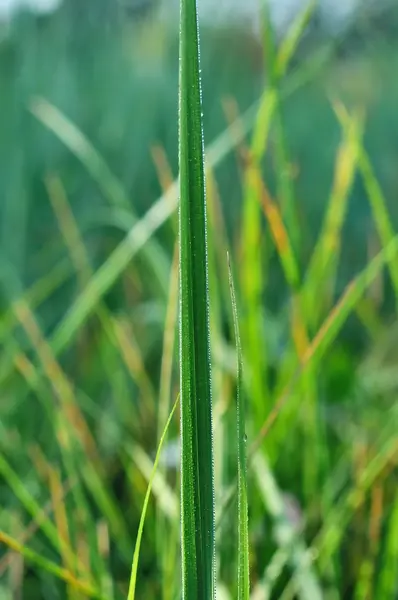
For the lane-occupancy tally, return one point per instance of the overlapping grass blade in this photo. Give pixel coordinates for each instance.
(243, 526)
(197, 487)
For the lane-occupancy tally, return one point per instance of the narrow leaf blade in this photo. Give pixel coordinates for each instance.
(197, 488)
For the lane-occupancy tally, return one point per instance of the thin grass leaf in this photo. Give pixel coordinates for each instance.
(134, 567)
(43, 563)
(167, 500)
(243, 525)
(197, 482)
(167, 535)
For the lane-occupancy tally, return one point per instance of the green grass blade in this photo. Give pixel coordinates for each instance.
(51, 567)
(166, 497)
(197, 488)
(243, 526)
(134, 568)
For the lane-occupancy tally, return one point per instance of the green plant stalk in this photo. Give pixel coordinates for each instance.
(197, 487)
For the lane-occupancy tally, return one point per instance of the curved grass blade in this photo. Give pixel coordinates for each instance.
(197, 484)
(243, 527)
(134, 568)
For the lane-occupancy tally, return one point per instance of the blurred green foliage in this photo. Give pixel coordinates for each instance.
(116, 79)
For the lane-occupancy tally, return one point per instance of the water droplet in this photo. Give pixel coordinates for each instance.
(245, 438)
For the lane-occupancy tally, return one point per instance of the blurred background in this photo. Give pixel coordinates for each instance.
(88, 347)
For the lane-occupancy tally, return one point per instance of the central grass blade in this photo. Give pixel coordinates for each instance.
(197, 487)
